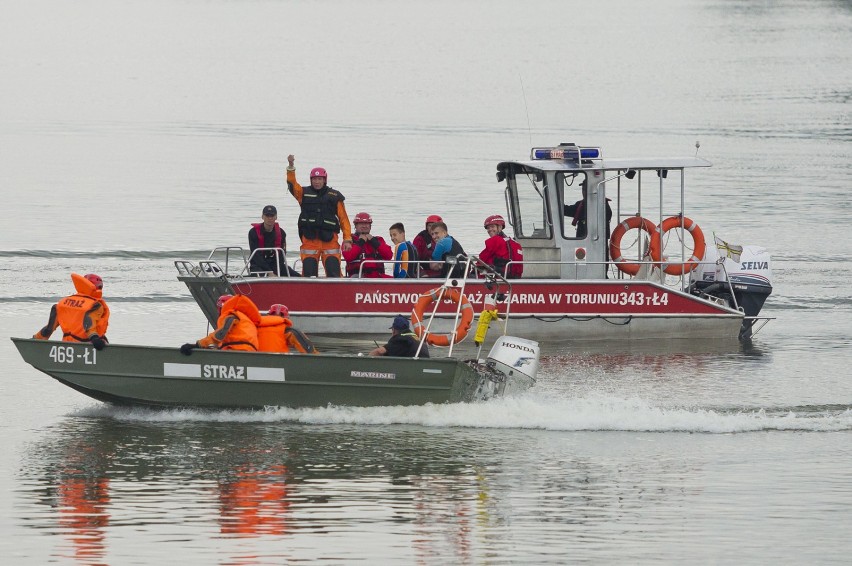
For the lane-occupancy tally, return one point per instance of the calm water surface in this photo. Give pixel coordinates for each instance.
(133, 134)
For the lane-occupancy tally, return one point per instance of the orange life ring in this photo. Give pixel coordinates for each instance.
(463, 327)
(622, 264)
(678, 268)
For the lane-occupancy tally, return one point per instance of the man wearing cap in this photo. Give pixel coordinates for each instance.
(425, 245)
(269, 235)
(322, 219)
(403, 342)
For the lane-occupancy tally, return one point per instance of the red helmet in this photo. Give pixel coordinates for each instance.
(222, 300)
(279, 310)
(432, 218)
(319, 172)
(495, 219)
(363, 217)
(96, 279)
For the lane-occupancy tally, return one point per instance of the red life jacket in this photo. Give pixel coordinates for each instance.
(514, 253)
(279, 235)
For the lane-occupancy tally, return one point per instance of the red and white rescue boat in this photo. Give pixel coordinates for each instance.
(657, 277)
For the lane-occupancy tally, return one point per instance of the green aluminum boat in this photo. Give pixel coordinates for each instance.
(215, 379)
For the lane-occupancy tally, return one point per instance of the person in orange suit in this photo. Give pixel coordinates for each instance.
(83, 316)
(236, 328)
(276, 333)
(321, 220)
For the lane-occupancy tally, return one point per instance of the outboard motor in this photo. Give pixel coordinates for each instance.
(515, 357)
(749, 270)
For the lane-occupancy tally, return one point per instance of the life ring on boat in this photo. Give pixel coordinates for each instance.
(433, 338)
(678, 268)
(631, 223)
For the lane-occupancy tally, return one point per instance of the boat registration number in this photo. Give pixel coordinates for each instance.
(67, 355)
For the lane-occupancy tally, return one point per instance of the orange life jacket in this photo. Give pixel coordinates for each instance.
(236, 328)
(276, 334)
(83, 314)
(271, 334)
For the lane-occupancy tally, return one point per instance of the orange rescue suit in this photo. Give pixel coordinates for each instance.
(276, 334)
(236, 328)
(81, 316)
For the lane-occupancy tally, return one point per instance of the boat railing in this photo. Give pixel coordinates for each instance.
(246, 271)
(390, 261)
(205, 268)
(494, 282)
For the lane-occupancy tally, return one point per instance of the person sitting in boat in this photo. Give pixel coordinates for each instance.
(403, 253)
(322, 219)
(275, 333)
(446, 247)
(236, 328)
(83, 316)
(577, 212)
(366, 249)
(403, 342)
(500, 249)
(425, 245)
(269, 235)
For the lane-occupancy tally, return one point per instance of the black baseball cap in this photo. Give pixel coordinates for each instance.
(400, 322)
(270, 210)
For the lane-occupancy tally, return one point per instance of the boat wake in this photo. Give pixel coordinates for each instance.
(529, 411)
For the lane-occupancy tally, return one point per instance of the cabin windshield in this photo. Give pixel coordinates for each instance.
(529, 204)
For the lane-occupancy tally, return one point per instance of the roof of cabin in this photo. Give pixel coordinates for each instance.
(652, 163)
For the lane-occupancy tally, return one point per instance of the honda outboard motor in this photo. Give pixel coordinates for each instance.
(747, 268)
(516, 357)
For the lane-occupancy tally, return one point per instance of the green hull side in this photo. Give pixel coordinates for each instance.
(140, 375)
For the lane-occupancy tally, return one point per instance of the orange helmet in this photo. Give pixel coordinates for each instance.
(495, 219)
(363, 217)
(96, 279)
(319, 172)
(432, 218)
(222, 300)
(279, 310)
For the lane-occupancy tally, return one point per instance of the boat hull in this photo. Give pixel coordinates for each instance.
(544, 310)
(163, 377)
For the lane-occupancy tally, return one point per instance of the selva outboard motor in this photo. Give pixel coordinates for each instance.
(747, 268)
(514, 356)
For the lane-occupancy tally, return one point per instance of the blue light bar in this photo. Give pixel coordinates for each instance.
(570, 152)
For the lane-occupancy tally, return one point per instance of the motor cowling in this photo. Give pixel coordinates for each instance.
(511, 355)
(747, 268)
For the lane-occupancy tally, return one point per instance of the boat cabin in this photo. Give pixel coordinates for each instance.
(564, 202)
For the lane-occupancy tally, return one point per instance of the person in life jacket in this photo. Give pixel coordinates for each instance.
(236, 328)
(83, 316)
(446, 247)
(425, 245)
(276, 333)
(269, 235)
(404, 253)
(500, 249)
(403, 342)
(321, 220)
(361, 258)
(577, 212)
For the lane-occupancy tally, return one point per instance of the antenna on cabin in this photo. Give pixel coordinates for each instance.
(697, 145)
(526, 108)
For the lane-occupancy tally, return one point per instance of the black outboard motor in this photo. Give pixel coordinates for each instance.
(749, 270)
